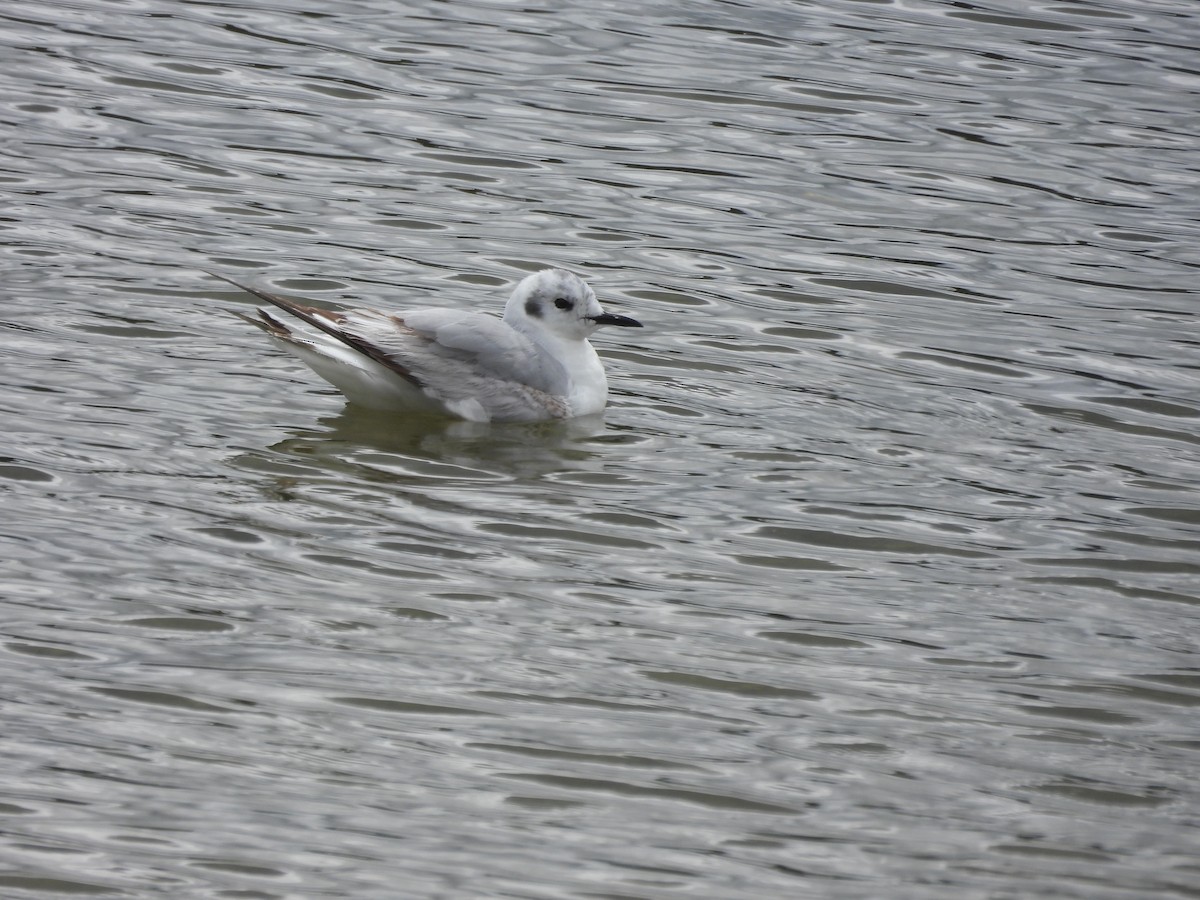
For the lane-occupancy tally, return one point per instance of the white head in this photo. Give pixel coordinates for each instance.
(561, 303)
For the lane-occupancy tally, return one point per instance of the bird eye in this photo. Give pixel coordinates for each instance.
(563, 303)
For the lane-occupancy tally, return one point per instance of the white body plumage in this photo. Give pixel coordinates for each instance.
(533, 364)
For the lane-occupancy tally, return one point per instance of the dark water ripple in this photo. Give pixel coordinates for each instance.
(880, 577)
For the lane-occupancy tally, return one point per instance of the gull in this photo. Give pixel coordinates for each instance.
(532, 365)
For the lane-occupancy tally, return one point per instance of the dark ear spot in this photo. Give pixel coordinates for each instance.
(533, 309)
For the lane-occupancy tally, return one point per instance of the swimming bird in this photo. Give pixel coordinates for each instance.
(532, 365)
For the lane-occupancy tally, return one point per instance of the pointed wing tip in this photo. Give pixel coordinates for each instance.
(226, 279)
(267, 323)
(326, 320)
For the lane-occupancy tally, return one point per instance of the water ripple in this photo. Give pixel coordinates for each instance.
(884, 553)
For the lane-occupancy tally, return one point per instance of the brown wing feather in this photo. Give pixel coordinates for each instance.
(324, 320)
(267, 323)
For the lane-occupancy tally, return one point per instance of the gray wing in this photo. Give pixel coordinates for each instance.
(475, 365)
(490, 344)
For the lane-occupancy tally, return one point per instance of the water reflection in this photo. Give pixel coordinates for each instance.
(360, 442)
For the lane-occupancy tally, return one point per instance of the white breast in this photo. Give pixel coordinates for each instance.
(588, 391)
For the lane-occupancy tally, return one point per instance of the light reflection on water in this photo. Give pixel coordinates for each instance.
(877, 577)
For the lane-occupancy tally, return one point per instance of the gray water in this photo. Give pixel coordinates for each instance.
(879, 579)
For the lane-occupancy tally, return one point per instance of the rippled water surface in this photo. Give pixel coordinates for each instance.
(880, 578)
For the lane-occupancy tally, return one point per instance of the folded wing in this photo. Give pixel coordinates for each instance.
(471, 365)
